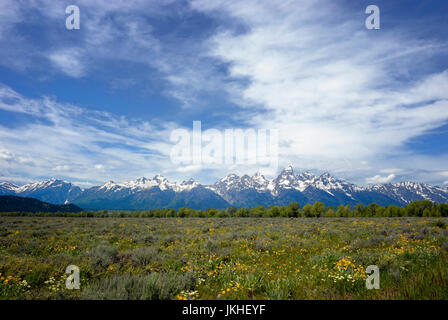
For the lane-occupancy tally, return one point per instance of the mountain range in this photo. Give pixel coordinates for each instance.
(232, 190)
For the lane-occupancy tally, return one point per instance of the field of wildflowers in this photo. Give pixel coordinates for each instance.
(227, 258)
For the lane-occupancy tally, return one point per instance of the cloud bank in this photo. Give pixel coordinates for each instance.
(345, 99)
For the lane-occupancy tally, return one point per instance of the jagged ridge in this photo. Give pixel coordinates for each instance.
(232, 190)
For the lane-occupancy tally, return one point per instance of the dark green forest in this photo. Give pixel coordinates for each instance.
(424, 208)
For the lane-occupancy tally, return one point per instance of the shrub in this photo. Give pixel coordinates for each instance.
(102, 256)
(145, 256)
(374, 241)
(262, 244)
(155, 286)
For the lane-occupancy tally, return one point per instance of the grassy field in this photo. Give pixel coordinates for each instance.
(227, 258)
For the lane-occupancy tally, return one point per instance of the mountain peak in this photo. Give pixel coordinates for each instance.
(188, 182)
(109, 185)
(288, 169)
(285, 180)
(160, 178)
(186, 185)
(51, 190)
(258, 174)
(229, 177)
(306, 175)
(326, 175)
(51, 181)
(258, 177)
(8, 185)
(287, 172)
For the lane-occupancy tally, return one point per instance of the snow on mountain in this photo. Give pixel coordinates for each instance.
(144, 194)
(110, 186)
(285, 180)
(187, 185)
(406, 192)
(52, 190)
(143, 183)
(51, 183)
(330, 184)
(304, 180)
(231, 190)
(287, 186)
(231, 182)
(260, 182)
(325, 188)
(8, 185)
(7, 188)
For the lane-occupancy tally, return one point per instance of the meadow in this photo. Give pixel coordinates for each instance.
(223, 258)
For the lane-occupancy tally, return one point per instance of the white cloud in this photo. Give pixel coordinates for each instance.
(118, 31)
(337, 92)
(342, 96)
(380, 179)
(79, 144)
(62, 168)
(6, 154)
(69, 62)
(99, 167)
(188, 169)
(391, 170)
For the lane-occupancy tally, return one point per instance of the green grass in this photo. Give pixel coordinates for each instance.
(233, 258)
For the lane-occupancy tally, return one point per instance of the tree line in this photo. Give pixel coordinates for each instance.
(423, 208)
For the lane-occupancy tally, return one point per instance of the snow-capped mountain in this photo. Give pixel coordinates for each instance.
(286, 180)
(243, 191)
(309, 188)
(145, 193)
(188, 185)
(52, 191)
(405, 192)
(286, 187)
(7, 188)
(232, 190)
(143, 183)
(236, 183)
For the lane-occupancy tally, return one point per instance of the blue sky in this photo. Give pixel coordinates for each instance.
(99, 103)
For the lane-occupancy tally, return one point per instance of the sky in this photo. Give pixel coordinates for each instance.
(101, 103)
